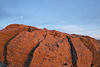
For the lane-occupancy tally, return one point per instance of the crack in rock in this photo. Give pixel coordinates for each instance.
(92, 65)
(29, 29)
(5, 49)
(73, 53)
(30, 55)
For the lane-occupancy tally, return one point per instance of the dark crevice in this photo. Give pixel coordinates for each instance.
(73, 53)
(5, 49)
(29, 29)
(57, 45)
(92, 65)
(30, 55)
(65, 64)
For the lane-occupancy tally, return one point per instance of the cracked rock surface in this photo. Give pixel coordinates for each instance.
(27, 46)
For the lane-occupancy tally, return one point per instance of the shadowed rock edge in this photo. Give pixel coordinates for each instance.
(92, 49)
(73, 52)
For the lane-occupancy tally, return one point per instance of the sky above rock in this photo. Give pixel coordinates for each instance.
(69, 16)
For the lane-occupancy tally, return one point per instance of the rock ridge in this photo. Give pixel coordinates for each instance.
(27, 46)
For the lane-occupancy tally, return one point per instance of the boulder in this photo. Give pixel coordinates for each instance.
(27, 46)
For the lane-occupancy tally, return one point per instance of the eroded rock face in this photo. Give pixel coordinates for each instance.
(8, 34)
(26, 46)
(52, 52)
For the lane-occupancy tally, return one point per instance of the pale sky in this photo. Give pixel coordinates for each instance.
(70, 16)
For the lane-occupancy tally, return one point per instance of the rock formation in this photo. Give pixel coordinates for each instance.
(27, 46)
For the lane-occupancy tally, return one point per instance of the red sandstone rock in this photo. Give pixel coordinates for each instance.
(84, 55)
(7, 34)
(27, 46)
(19, 48)
(52, 52)
(91, 46)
